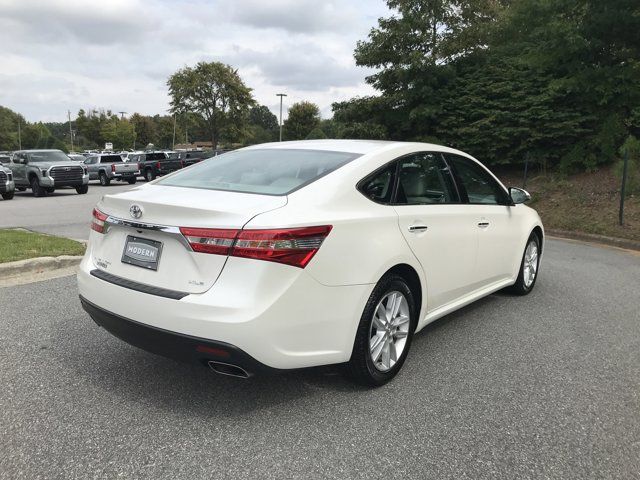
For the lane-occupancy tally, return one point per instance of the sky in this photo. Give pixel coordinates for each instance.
(58, 55)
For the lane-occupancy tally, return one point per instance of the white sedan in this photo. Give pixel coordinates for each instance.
(297, 254)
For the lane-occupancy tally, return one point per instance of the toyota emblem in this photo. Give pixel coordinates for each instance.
(135, 211)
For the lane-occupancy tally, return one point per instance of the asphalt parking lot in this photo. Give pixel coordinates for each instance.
(62, 213)
(543, 386)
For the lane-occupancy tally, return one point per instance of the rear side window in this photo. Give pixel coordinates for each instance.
(261, 171)
(111, 159)
(379, 186)
(155, 156)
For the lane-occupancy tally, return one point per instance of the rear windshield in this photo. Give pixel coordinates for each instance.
(110, 159)
(262, 171)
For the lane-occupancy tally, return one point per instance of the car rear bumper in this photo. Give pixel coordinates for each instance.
(174, 345)
(278, 315)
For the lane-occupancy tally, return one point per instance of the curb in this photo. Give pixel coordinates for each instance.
(593, 238)
(37, 265)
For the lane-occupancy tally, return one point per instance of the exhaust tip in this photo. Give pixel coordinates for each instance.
(228, 369)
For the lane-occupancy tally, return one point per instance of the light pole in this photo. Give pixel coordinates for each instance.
(281, 95)
(174, 132)
(70, 131)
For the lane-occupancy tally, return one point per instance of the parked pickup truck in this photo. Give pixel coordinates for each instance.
(7, 187)
(156, 164)
(45, 170)
(109, 166)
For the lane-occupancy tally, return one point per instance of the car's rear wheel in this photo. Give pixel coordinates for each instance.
(37, 190)
(149, 175)
(21, 189)
(50, 189)
(104, 180)
(384, 335)
(131, 181)
(7, 196)
(528, 273)
(82, 189)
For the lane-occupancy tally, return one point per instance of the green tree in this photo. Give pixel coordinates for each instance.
(145, 128)
(9, 128)
(302, 119)
(215, 91)
(261, 115)
(120, 132)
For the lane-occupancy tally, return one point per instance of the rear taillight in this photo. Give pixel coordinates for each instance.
(291, 246)
(99, 218)
(158, 165)
(210, 240)
(113, 167)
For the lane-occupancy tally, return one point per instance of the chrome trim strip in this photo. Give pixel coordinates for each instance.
(167, 229)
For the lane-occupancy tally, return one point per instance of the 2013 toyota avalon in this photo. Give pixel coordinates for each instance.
(297, 254)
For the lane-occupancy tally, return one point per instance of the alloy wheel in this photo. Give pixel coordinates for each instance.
(530, 263)
(389, 330)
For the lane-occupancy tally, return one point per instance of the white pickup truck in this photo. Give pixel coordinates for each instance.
(109, 166)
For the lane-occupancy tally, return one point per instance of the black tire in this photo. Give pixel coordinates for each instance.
(37, 190)
(8, 195)
(361, 366)
(104, 180)
(149, 175)
(132, 181)
(50, 190)
(82, 189)
(21, 189)
(521, 287)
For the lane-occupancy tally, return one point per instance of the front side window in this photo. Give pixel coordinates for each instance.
(262, 171)
(423, 179)
(477, 184)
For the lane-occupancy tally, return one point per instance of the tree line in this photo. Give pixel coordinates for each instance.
(555, 82)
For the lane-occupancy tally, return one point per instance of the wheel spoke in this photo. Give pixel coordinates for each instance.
(378, 322)
(381, 314)
(401, 334)
(391, 305)
(393, 354)
(377, 350)
(386, 355)
(400, 320)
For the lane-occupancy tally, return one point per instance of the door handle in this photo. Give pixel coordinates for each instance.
(483, 224)
(418, 228)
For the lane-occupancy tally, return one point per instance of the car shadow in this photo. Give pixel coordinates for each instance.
(131, 374)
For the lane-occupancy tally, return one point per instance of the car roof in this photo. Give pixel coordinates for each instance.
(39, 150)
(362, 147)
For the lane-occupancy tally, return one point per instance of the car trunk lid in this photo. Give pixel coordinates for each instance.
(153, 214)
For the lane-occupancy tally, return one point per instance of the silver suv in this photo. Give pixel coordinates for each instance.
(45, 170)
(7, 187)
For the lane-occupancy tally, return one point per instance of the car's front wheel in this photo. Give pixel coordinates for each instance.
(82, 189)
(528, 273)
(7, 196)
(384, 335)
(37, 190)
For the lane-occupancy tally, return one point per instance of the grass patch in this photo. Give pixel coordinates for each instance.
(20, 245)
(584, 202)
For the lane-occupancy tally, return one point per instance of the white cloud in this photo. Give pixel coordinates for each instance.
(57, 55)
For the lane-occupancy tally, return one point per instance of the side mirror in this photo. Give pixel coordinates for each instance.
(518, 195)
